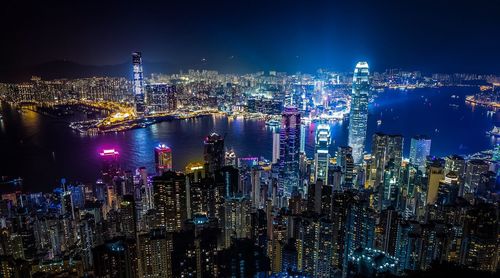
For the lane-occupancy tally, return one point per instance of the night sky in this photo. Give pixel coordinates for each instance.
(433, 36)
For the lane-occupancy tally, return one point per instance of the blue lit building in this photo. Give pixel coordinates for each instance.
(138, 83)
(358, 117)
(420, 148)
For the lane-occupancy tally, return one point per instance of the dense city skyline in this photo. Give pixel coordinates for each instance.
(245, 147)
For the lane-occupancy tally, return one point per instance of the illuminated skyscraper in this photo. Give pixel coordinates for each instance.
(289, 152)
(154, 254)
(138, 83)
(276, 147)
(170, 200)
(303, 138)
(358, 117)
(456, 164)
(110, 166)
(163, 158)
(474, 170)
(214, 154)
(346, 163)
(322, 157)
(420, 148)
(387, 156)
(237, 222)
(128, 217)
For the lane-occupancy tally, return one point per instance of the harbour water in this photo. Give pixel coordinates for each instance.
(43, 149)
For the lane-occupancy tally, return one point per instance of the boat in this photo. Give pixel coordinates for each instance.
(273, 123)
(494, 132)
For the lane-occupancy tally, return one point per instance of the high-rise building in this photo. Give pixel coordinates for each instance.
(480, 244)
(360, 228)
(128, 216)
(358, 118)
(289, 152)
(385, 170)
(303, 138)
(448, 189)
(110, 164)
(435, 174)
(163, 158)
(420, 148)
(276, 147)
(474, 170)
(237, 219)
(214, 154)
(455, 163)
(346, 163)
(170, 200)
(155, 250)
(322, 157)
(138, 83)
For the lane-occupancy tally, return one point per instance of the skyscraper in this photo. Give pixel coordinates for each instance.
(346, 164)
(435, 174)
(474, 170)
(128, 216)
(170, 200)
(110, 166)
(322, 157)
(303, 138)
(420, 148)
(138, 83)
(214, 154)
(358, 117)
(385, 170)
(289, 152)
(154, 254)
(163, 158)
(276, 147)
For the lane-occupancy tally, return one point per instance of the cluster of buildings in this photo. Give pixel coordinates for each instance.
(346, 214)
(323, 96)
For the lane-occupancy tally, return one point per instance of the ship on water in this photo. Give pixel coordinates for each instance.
(494, 132)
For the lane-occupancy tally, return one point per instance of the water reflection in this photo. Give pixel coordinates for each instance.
(461, 130)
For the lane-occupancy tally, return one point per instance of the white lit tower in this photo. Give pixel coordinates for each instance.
(321, 156)
(138, 83)
(358, 118)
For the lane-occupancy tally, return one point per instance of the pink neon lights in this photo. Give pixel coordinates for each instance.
(163, 148)
(109, 152)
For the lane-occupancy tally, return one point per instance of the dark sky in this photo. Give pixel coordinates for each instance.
(445, 36)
